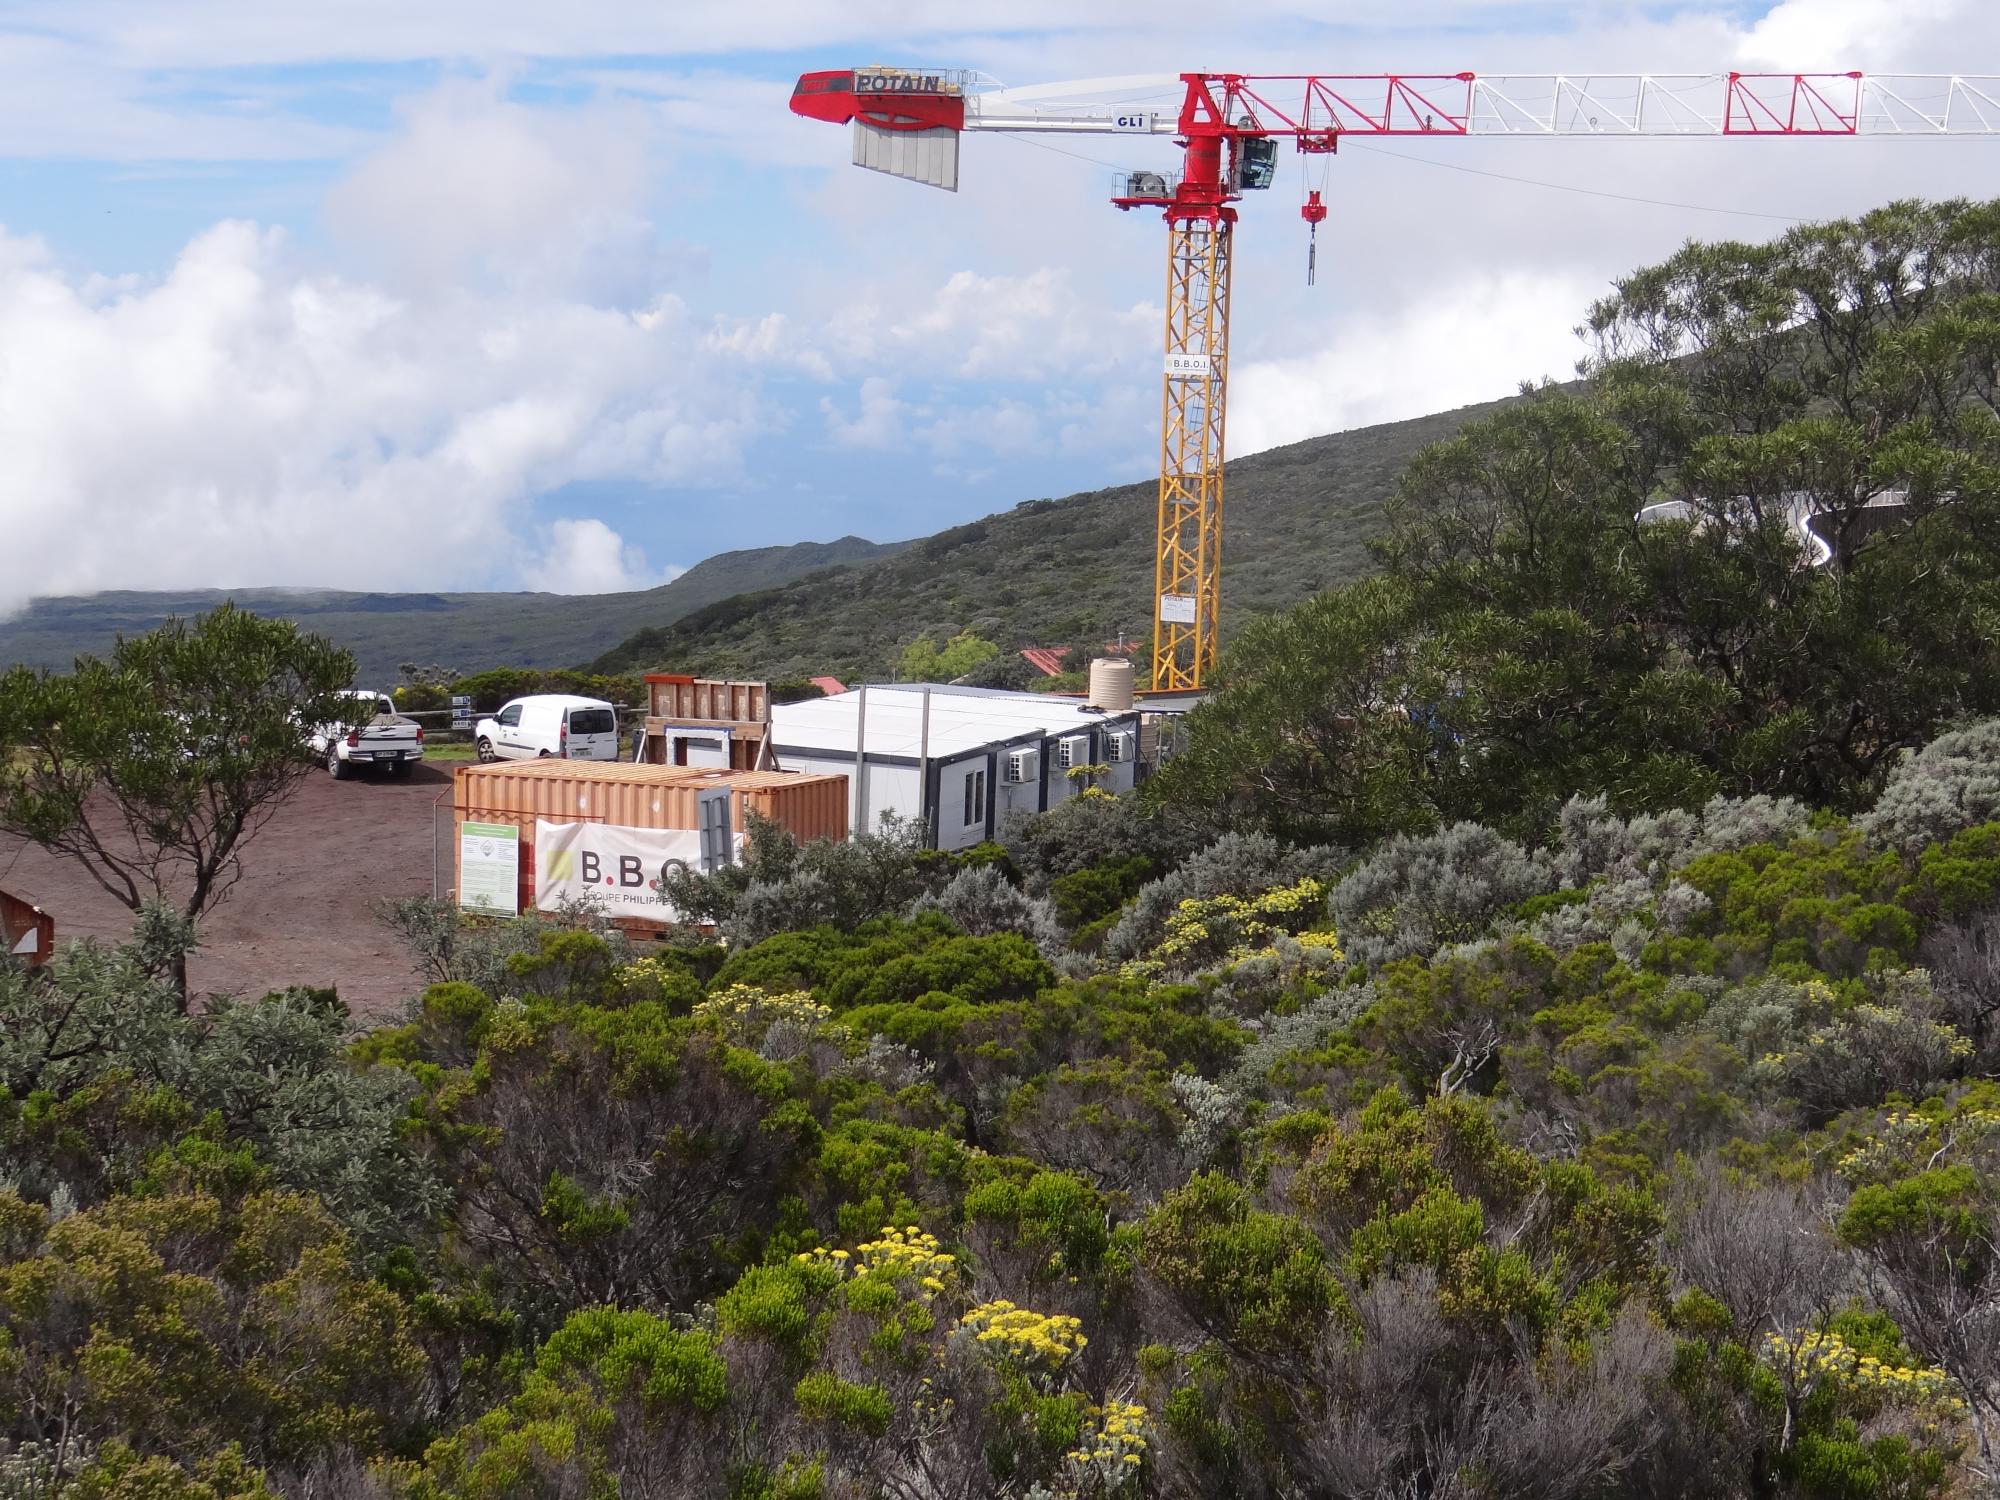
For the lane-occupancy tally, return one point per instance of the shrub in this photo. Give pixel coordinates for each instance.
(1824, 900)
(1291, 972)
(1114, 1122)
(1204, 932)
(1056, 1218)
(609, 1389)
(1259, 1279)
(782, 886)
(1304, 1029)
(1894, 1045)
(1237, 864)
(1090, 832)
(1964, 960)
(1595, 843)
(1600, 912)
(1738, 822)
(1951, 784)
(449, 945)
(794, 690)
(1085, 896)
(137, 1313)
(979, 901)
(1419, 892)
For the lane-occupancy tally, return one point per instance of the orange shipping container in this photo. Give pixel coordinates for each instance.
(630, 795)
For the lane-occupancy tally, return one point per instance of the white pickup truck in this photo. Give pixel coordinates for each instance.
(373, 734)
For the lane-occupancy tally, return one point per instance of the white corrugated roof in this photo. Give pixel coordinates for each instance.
(962, 719)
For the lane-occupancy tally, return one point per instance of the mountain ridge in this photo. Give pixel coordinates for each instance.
(466, 631)
(1075, 570)
(1048, 571)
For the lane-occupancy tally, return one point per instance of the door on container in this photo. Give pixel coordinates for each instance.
(701, 750)
(511, 745)
(593, 733)
(962, 821)
(718, 843)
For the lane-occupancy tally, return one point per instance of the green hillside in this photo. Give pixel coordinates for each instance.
(1297, 520)
(468, 632)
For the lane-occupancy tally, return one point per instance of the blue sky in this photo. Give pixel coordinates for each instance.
(493, 293)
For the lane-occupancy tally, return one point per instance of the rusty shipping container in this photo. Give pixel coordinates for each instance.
(630, 795)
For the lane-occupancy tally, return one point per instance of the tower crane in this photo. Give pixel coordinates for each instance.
(907, 122)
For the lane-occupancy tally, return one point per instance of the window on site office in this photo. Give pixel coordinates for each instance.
(975, 798)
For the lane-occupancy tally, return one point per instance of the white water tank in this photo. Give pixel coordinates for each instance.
(1110, 685)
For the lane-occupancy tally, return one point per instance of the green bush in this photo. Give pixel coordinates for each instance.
(1258, 1279)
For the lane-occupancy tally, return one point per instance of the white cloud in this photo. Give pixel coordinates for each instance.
(1033, 326)
(587, 557)
(1470, 341)
(72, 98)
(955, 424)
(476, 188)
(194, 33)
(1874, 35)
(877, 424)
(245, 419)
(1018, 327)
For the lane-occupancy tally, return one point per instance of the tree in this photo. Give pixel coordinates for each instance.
(154, 768)
(1308, 736)
(924, 662)
(1824, 410)
(1007, 670)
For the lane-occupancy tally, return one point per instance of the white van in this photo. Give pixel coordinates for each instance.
(550, 724)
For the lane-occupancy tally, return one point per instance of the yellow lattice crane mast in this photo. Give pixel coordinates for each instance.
(1188, 566)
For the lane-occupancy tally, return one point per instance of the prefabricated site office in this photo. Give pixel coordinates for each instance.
(960, 758)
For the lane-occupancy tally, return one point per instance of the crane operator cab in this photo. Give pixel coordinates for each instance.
(1256, 163)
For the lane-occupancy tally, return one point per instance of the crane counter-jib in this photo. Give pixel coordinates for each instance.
(907, 123)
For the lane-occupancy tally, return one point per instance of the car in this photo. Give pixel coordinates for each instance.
(550, 725)
(371, 735)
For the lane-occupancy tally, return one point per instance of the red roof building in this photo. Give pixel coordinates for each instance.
(1048, 660)
(833, 687)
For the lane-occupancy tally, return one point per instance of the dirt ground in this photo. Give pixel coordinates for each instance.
(304, 912)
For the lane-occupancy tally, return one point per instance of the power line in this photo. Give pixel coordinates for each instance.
(1426, 161)
(1568, 187)
(1028, 140)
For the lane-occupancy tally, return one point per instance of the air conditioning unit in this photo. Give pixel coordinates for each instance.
(1073, 751)
(1022, 765)
(1118, 746)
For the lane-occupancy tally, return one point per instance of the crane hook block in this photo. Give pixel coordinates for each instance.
(1312, 210)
